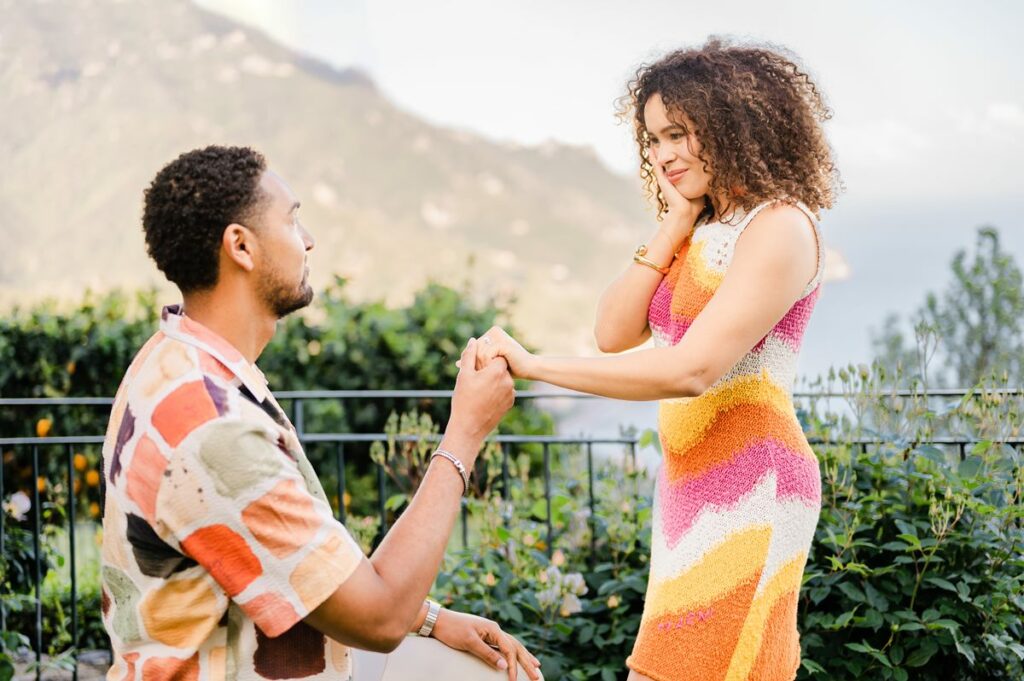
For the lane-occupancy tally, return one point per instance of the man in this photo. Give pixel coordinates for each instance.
(221, 556)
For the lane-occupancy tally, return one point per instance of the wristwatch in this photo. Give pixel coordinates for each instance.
(433, 609)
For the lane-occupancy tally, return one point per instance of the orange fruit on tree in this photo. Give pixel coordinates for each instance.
(43, 427)
(80, 462)
(92, 478)
(94, 509)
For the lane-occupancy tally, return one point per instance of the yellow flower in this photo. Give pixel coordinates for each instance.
(92, 478)
(80, 462)
(614, 601)
(43, 427)
(558, 558)
(489, 579)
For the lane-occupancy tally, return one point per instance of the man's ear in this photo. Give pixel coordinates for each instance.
(238, 243)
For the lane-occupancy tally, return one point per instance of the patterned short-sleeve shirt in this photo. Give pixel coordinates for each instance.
(217, 535)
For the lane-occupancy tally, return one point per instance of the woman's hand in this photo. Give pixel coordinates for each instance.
(497, 343)
(485, 639)
(682, 212)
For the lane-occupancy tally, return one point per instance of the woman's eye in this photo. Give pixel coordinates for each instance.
(676, 136)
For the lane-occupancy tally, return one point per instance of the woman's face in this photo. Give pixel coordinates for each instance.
(675, 150)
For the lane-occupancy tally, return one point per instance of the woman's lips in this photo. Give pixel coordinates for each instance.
(674, 175)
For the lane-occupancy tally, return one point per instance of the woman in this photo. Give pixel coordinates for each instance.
(732, 150)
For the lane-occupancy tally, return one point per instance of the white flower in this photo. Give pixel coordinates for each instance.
(18, 505)
(570, 605)
(575, 584)
(548, 598)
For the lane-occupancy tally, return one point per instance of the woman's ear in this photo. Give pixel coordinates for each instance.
(238, 244)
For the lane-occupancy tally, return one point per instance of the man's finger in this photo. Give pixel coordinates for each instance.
(468, 360)
(508, 650)
(485, 652)
(498, 364)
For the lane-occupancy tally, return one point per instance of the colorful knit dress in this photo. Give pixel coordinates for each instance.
(737, 496)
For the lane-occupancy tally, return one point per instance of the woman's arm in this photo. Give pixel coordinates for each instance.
(621, 322)
(775, 258)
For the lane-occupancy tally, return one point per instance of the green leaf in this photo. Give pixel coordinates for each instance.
(941, 583)
(970, 467)
(395, 502)
(920, 655)
(852, 592)
(906, 528)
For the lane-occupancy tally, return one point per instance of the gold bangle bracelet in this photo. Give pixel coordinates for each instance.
(638, 257)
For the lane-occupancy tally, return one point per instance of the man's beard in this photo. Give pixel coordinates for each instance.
(283, 299)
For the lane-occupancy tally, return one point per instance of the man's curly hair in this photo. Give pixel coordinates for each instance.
(189, 204)
(758, 118)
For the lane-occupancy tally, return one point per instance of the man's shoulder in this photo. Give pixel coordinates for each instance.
(173, 388)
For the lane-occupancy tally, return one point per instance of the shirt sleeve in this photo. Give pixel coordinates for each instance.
(236, 503)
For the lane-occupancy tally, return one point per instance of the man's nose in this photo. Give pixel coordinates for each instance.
(308, 239)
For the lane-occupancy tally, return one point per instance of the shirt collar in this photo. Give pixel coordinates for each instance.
(176, 324)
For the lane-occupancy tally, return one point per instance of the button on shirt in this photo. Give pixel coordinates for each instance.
(217, 535)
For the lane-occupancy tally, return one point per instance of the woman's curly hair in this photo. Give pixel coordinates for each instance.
(758, 118)
(189, 204)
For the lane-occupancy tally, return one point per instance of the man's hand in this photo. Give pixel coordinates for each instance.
(485, 639)
(496, 345)
(482, 397)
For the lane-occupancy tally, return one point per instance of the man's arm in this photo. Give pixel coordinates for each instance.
(376, 607)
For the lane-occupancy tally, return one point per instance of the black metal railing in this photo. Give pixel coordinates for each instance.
(36, 447)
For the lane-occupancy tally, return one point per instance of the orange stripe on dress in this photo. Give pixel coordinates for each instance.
(733, 430)
(703, 638)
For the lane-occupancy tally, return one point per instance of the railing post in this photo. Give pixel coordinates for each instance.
(71, 551)
(339, 456)
(38, 568)
(547, 494)
(299, 416)
(590, 493)
(3, 540)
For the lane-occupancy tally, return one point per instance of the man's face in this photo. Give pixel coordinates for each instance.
(282, 270)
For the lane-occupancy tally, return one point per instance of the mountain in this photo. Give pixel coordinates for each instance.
(98, 94)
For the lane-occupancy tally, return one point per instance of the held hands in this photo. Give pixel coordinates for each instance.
(485, 639)
(497, 345)
(483, 393)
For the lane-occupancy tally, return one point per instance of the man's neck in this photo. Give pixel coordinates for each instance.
(238, 319)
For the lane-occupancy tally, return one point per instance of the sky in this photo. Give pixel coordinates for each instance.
(928, 96)
(928, 102)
